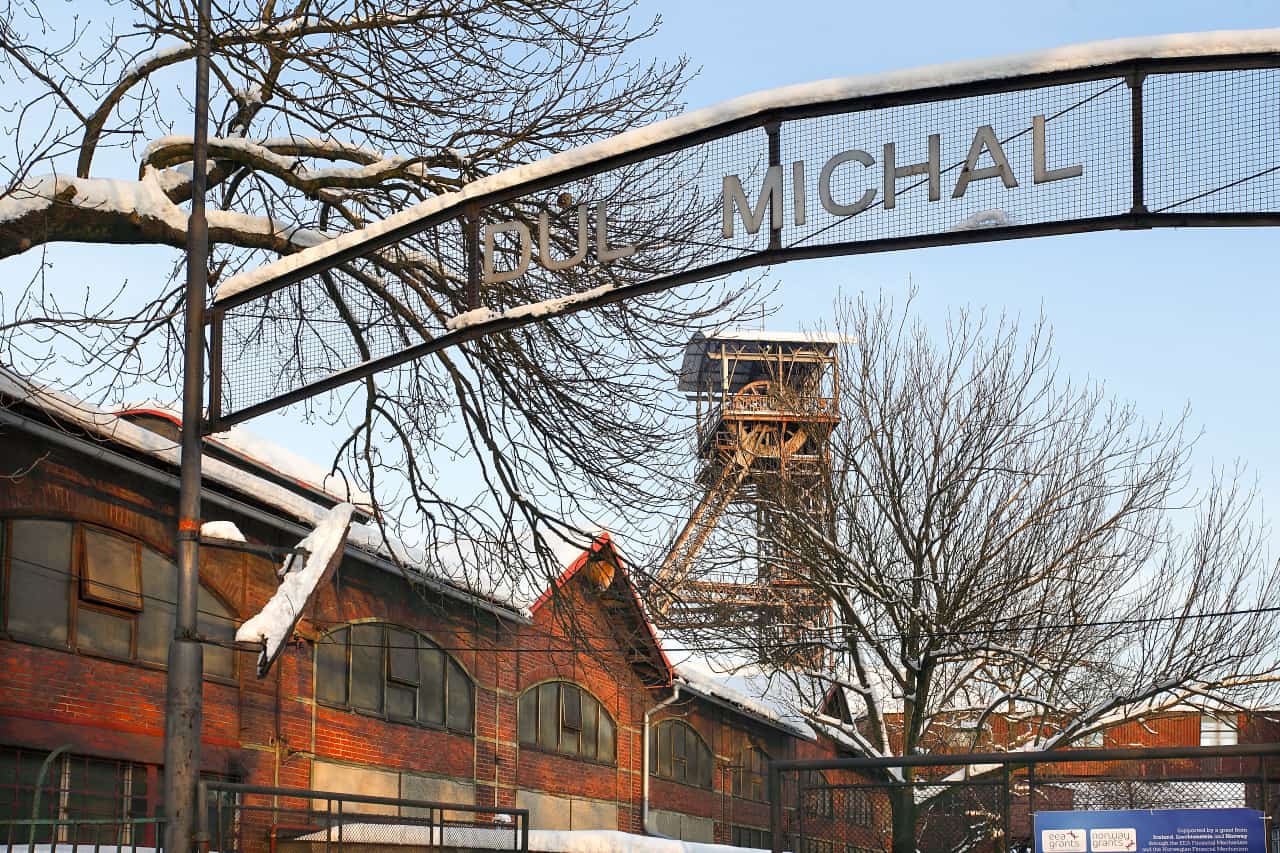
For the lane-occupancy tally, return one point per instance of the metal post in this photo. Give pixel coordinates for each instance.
(183, 710)
(1137, 142)
(775, 808)
(774, 131)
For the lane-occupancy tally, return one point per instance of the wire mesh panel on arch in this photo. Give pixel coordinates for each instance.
(1158, 135)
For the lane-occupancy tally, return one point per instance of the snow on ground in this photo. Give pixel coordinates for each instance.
(1071, 57)
(540, 840)
(222, 530)
(274, 623)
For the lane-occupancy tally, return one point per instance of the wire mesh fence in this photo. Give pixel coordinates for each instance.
(985, 803)
(257, 819)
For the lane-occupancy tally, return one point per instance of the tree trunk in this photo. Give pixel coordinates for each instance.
(903, 803)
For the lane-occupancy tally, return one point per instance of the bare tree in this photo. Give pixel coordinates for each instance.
(329, 115)
(995, 541)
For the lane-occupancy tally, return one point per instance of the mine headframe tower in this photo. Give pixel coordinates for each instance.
(766, 405)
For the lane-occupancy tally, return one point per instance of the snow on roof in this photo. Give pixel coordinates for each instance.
(749, 690)
(698, 370)
(108, 426)
(265, 454)
(540, 840)
(1223, 43)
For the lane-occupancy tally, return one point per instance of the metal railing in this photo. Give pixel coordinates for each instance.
(258, 819)
(985, 802)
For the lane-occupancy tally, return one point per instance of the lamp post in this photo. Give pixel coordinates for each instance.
(183, 699)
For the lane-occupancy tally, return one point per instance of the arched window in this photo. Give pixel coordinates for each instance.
(394, 673)
(817, 794)
(83, 587)
(679, 753)
(562, 717)
(749, 774)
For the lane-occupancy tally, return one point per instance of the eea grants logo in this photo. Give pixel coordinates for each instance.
(1062, 841)
(1113, 840)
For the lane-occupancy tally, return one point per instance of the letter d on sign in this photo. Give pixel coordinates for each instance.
(526, 251)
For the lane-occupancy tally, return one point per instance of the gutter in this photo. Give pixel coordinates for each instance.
(644, 784)
(102, 454)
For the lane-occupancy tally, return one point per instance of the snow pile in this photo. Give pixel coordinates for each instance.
(274, 623)
(540, 840)
(222, 530)
(1072, 57)
(545, 308)
(982, 219)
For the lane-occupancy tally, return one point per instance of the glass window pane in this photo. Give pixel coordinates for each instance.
(529, 717)
(571, 703)
(431, 693)
(104, 633)
(401, 701)
(460, 702)
(155, 625)
(368, 674)
(155, 631)
(590, 727)
(111, 569)
(606, 752)
(549, 715)
(331, 667)
(664, 749)
(40, 576)
(216, 621)
(402, 656)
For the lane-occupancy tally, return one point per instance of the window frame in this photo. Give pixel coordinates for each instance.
(531, 696)
(742, 773)
(78, 600)
(390, 681)
(655, 759)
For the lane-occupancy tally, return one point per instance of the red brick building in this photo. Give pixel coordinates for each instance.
(398, 686)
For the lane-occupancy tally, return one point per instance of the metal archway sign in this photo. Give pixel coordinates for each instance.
(1131, 134)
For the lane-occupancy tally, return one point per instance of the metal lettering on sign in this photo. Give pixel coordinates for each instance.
(1153, 136)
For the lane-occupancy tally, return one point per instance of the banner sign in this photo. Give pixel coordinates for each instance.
(1151, 831)
(1145, 134)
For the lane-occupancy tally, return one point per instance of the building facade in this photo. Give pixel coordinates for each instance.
(392, 685)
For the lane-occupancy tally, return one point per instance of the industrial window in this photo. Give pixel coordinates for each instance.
(749, 774)
(1218, 731)
(83, 587)
(679, 753)
(87, 800)
(817, 795)
(394, 673)
(856, 806)
(818, 845)
(564, 718)
(750, 837)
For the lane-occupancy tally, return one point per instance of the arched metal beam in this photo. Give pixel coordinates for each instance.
(1131, 134)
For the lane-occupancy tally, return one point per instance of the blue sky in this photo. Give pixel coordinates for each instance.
(1164, 318)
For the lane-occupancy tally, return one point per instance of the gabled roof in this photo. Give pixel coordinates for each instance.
(621, 601)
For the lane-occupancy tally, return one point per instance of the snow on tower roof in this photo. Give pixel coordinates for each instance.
(699, 368)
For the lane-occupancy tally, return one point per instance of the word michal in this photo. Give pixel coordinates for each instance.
(984, 141)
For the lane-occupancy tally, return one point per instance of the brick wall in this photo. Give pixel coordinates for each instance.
(270, 731)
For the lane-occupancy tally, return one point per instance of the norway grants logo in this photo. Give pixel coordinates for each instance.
(1062, 841)
(1113, 840)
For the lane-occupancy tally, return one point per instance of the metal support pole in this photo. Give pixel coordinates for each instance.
(1137, 142)
(775, 808)
(183, 711)
(774, 131)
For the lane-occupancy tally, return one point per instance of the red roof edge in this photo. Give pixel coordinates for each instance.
(604, 540)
